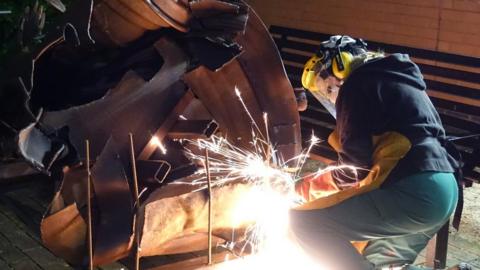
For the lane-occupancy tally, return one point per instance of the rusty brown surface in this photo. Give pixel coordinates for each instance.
(64, 234)
(117, 22)
(170, 222)
(118, 112)
(111, 27)
(113, 234)
(175, 13)
(264, 69)
(217, 91)
(168, 124)
(173, 217)
(193, 129)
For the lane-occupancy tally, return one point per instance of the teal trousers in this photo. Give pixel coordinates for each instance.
(398, 221)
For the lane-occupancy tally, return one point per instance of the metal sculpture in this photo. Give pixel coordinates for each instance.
(163, 71)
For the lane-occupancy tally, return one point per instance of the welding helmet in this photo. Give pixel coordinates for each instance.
(331, 63)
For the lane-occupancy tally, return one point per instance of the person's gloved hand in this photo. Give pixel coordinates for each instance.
(314, 187)
(301, 97)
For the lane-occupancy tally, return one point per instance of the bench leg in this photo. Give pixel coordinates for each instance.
(436, 256)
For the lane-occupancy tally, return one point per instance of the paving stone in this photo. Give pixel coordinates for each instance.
(28, 206)
(8, 252)
(18, 237)
(459, 254)
(58, 266)
(6, 211)
(26, 264)
(4, 265)
(10, 215)
(43, 257)
(475, 263)
(3, 219)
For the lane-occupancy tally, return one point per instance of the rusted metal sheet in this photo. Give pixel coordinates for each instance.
(169, 122)
(115, 115)
(172, 216)
(264, 69)
(216, 89)
(112, 235)
(64, 234)
(111, 27)
(117, 22)
(118, 113)
(153, 172)
(175, 13)
(188, 85)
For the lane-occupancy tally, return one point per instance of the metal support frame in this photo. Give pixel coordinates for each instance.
(209, 185)
(436, 256)
(137, 201)
(89, 206)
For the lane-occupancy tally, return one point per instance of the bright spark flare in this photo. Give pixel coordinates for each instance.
(156, 141)
(269, 201)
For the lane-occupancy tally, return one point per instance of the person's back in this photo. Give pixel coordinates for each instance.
(392, 97)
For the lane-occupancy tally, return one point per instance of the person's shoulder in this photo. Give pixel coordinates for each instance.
(390, 60)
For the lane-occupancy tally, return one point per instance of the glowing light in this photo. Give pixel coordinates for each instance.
(155, 141)
(285, 255)
(268, 202)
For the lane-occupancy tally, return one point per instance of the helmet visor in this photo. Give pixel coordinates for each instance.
(324, 87)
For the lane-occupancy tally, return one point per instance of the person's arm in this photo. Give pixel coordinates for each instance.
(356, 113)
(354, 126)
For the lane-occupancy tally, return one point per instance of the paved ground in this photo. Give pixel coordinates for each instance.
(21, 249)
(20, 215)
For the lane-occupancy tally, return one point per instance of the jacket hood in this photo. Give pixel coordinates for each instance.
(394, 66)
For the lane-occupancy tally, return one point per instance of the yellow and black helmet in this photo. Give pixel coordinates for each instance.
(334, 57)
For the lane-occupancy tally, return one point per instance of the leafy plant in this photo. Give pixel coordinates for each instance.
(15, 13)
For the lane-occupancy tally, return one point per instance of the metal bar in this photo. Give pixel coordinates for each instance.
(193, 129)
(436, 254)
(169, 122)
(137, 201)
(209, 183)
(89, 206)
(134, 168)
(269, 145)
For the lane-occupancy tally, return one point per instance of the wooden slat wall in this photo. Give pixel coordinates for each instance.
(442, 25)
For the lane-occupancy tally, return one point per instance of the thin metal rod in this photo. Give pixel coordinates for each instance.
(89, 206)
(134, 168)
(137, 201)
(209, 183)
(269, 148)
(464, 137)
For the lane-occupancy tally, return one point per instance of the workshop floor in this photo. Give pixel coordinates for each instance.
(21, 249)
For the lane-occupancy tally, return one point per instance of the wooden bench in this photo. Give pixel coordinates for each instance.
(453, 84)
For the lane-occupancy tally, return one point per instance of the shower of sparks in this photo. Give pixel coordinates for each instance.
(267, 203)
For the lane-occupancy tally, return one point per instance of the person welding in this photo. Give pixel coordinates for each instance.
(402, 189)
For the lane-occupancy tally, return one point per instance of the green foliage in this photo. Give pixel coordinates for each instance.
(10, 23)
